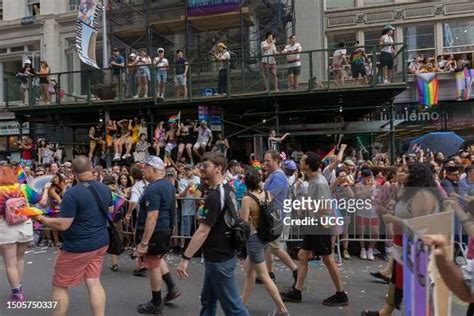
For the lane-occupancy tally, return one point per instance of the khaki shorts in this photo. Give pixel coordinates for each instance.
(18, 233)
(276, 244)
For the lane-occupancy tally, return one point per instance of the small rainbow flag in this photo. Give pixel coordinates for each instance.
(329, 155)
(175, 118)
(31, 195)
(20, 173)
(256, 164)
(118, 201)
(428, 88)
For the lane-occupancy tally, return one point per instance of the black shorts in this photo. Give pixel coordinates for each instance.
(386, 60)
(320, 245)
(357, 70)
(294, 71)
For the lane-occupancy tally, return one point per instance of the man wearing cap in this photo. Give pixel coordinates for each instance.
(154, 226)
(117, 62)
(223, 57)
(181, 68)
(161, 64)
(204, 139)
(187, 188)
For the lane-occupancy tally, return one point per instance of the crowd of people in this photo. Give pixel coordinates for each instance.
(442, 64)
(185, 198)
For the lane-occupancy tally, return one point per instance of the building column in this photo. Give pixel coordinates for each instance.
(2, 101)
(438, 37)
(51, 44)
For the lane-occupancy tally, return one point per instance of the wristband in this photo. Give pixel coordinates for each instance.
(185, 257)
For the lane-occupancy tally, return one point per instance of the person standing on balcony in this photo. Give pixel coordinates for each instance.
(132, 75)
(161, 64)
(181, 66)
(24, 75)
(338, 60)
(117, 62)
(223, 57)
(358, 58)
(143, 73)
(388, 53)
(44, 82)
(292, 51)
(268, 61)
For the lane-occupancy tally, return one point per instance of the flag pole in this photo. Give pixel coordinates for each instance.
(104, 35)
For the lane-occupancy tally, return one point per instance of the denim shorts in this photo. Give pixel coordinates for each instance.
(180, 80)
(256, 249)
(161, 76)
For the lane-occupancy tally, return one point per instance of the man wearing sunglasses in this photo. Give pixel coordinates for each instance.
(212, 235)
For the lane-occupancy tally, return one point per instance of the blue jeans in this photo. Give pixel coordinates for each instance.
(219, 284)
(222, 81)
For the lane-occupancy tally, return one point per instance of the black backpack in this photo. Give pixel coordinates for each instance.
(239, 229)
(270, 222)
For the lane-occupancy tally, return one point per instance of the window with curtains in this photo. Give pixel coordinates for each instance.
(419, 40)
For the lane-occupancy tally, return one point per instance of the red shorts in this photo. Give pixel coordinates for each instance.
(151, 262)
(367, 221)
(70, 267)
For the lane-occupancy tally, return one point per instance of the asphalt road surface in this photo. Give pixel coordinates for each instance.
(124, 291)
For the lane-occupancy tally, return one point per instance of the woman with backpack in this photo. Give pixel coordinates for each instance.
(251, 212)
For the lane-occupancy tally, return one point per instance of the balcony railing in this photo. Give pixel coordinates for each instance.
(246, 78)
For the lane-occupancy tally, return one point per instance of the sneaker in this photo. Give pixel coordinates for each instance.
(124, 156)
(385, 81)
(346, 254)
(114, 268)
(117, 157)
(145, 95)
(171, 295)
(338, 299)
(380, 276)
(141, 272)
(292, 295)
(19, 296)
(277, 313)
(149, 308)
(370, 254)
(135, 96)
(363, 254)
(376, 252)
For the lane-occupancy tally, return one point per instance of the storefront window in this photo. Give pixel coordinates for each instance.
(371, 2)
(419, 40)
(458, 36)
(339, 4)
(372, 38)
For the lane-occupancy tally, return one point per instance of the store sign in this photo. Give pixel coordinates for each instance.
(412, 115)
(208, 7)
(13, 128)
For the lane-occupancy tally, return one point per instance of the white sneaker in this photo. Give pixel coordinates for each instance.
(385, 81)
(363, 254)
(135, 96)
(116, 156)
(145, 96)
(124, 156)
(370, 254)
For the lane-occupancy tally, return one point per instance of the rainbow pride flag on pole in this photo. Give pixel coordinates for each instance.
(428, 88)
(330, 154)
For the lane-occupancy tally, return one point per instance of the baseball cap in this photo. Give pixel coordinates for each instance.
(161, 50)
(133, 55)
(388, 27)
(233, 163)
(204, 122)
(290, 165)
(155, 162)
(221, 45)
(67, 164)
(27, 61)
(115, 49)
(349, 162)
(366, 173)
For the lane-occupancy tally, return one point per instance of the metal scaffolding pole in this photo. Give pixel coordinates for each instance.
(392, 134)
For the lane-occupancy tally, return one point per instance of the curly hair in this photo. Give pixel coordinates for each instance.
(253, 179)
(420, 176)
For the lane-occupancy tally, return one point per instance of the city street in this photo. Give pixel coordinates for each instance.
(125, 291)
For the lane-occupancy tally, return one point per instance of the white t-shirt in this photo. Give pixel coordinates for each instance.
(338, 56)
(161, 63)
(268, 49)
(387, 40)
(293, 57)
(224, 57)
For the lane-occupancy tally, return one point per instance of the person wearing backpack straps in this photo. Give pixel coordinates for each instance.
(252, 207)
(16, 232)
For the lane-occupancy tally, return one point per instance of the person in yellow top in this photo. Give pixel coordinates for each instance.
(134, 128)
(256, 266)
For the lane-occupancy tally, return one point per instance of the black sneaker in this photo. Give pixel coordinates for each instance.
(141, 272)
(171, 295)
(149, 308)
(380, 276)
(292, 295)
(338, 299)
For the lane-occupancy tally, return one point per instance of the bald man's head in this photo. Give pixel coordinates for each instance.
(81, 164)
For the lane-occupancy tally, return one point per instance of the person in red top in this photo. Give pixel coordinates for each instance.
(26, 146)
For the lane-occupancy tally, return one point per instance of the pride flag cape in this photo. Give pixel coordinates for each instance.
(463, 84)
(330, 154)
(428, 88)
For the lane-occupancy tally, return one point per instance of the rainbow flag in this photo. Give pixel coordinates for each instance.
(463, 84)
(175, 118)
(118, 202)
(256, 164)
(31, 195)
(329, 155)
(29, 211)
(20, 173)
(428, 88)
